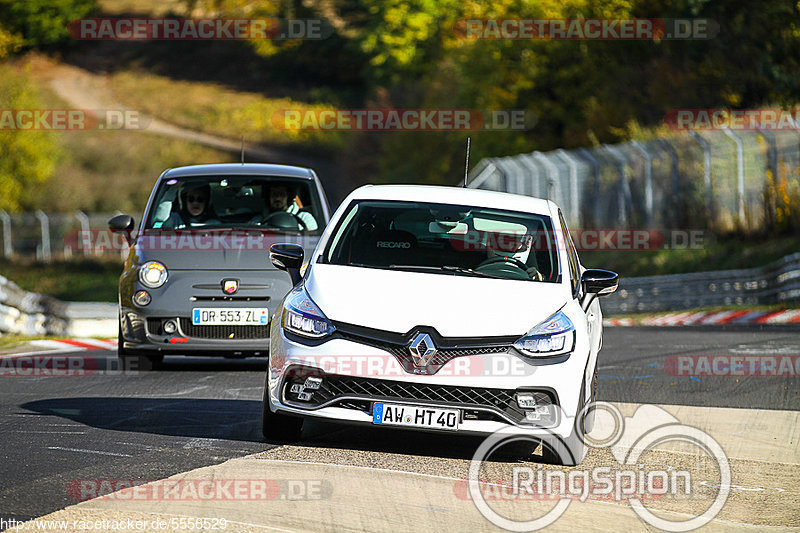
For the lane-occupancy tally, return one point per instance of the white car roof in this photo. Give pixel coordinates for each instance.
(455, 195)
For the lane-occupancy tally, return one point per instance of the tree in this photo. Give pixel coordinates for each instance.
(43, 23)
(27, 157)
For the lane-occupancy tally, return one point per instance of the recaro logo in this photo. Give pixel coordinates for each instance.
(393, 244)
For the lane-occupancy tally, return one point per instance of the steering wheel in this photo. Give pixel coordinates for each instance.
(510, 267)
(282, 220)
(503, 259)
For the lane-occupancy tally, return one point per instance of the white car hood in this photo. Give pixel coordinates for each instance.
(456, 306)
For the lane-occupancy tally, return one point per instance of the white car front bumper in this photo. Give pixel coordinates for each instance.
(358, 375)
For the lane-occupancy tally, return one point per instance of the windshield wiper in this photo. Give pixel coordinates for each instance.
(447, 268)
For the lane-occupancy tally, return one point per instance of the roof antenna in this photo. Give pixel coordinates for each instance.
(243, 149)
(466, 163)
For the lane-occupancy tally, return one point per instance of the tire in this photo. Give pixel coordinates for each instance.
(588, 421)
(569, 451)
(130, 361)
(279, 428)
(143, 363)
(565, 452)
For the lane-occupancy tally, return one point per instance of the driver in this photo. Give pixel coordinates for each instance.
(519, 250)
(277, 200)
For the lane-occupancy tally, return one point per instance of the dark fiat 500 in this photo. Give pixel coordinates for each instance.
(197, 280)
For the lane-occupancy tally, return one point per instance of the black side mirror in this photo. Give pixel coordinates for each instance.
(599, 282)
(122, 224)
(288, 257)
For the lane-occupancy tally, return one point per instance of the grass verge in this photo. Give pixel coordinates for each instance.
(78, 280)
(210, 108)
(107, 170)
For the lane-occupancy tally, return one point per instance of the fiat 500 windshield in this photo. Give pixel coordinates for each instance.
(446, 239)
(209, 202)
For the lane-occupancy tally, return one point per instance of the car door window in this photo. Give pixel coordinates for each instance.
(572, 256)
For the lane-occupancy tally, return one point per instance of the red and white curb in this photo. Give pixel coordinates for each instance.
(693, 318)
(66, 346)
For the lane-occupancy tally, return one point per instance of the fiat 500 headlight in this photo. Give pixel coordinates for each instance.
(554, 336)
(301, 316)
(152, 274)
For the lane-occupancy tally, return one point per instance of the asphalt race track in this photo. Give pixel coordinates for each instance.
(194, 413)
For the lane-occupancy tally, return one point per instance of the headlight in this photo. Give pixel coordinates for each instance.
(301, 316)
(554, 336)
(152, 274)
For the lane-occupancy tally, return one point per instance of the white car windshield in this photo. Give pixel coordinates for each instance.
(215, 202)
(446, 239)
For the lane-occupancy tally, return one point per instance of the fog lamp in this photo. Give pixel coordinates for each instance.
(170, 327)
(141, 298)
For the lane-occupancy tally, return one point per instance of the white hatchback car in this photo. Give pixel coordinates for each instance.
(439, 309)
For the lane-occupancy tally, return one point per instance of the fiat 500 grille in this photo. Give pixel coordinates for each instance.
(223, 332)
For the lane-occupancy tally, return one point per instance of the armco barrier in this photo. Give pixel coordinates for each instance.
(29, 313)
(777, 283)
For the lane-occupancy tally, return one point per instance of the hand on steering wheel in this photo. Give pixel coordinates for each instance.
(504, 259)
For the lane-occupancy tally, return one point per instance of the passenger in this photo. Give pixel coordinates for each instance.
(196, 209)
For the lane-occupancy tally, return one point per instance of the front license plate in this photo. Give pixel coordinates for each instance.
(225, 316)
(416, 416)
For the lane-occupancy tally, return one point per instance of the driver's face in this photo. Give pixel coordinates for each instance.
(278, 198)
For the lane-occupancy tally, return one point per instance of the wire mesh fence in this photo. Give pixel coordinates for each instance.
(719, 179)
(47, 236)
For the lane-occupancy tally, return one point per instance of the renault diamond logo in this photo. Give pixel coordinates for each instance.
(422, 349)
(230, 286)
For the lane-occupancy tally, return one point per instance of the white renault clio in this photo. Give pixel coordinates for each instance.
(439, 309)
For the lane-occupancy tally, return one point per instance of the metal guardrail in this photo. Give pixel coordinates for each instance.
(46, 236)
(777, 283)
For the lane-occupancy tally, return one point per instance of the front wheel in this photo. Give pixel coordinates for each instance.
(145, 363)
(132, 361)
(570, 451)
(279, 428)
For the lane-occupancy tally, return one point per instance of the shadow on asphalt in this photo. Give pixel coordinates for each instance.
(240, 420)
(182, 417)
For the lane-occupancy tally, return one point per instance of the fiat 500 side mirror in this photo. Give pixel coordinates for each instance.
(122, 224)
